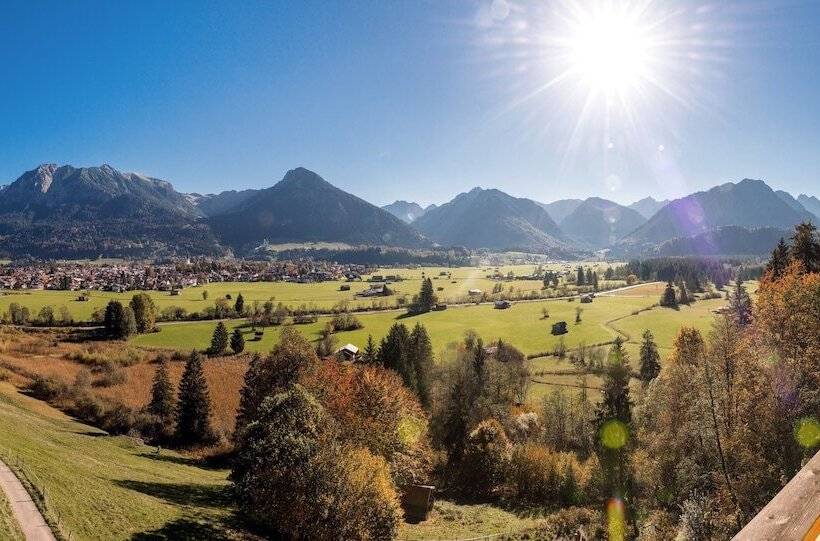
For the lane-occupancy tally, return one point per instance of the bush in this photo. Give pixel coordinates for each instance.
(539, 474)
(573, 523)
(345, 322)
(47, 388)
(111, 375)
(486, 456)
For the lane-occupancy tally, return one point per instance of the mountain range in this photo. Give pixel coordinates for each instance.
(648, 206)
(748, 203)
(68, 212)
(407, 211)
(494, 220)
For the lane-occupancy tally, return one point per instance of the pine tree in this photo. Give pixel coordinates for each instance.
(779, 260)
(595, 281)
(239, 305)
(393, 353)
(805, 247)
(650, 358)
(588, 279)
(426, 299)
(162, 404)
(684, 293)
(194, 408)
(740, 305)
(420, 358)
(113, 319)
(237, 342)
(219, 340)
(615, 412)
(615, 403)
(669, 299)
(581, 279)
(369, 352)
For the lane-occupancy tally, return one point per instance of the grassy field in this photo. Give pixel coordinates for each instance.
(452, 521)
(522, 324)
(454, 284)
(9, 529)
(114, 487)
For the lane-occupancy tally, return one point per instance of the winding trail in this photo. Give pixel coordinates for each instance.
(31, 521)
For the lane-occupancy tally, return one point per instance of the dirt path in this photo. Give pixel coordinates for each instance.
(31, 522)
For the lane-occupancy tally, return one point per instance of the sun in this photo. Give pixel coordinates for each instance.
(609, 50)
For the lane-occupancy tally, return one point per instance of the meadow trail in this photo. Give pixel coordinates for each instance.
(30, 519)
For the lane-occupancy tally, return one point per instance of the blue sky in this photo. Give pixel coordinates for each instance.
(402, 100)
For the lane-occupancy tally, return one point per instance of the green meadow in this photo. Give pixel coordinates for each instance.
(112, 487)
(522, 324)
(454, 284)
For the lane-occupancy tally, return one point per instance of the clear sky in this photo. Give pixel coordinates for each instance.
(418, 100)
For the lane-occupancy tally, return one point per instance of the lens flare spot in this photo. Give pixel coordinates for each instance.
(616, 519)
(807, 432)
(614, 434)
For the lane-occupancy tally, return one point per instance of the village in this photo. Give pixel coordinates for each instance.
(171, 277)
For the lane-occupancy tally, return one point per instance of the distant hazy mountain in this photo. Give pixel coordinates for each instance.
(648, 206)
(728, 240)
(599, 222)
(303, 207)
(213, 204)
(494, 220)
(811, 204)
(407, 211)
(748, 203)
(62, 212)
(558, 210)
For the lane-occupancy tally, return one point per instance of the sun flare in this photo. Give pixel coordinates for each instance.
(609, 50)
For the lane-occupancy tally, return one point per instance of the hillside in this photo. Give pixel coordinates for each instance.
(66, 212)
(494, 220)
(598, 222)
(303, 207)
(558, 210)
(748, 203)
(727, 240)
(648, 206)
(128, 491)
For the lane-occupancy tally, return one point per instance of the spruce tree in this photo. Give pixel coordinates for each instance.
(581, 279)
(112, 320)
(393, 354)
(239, 305)
(779, 259)
(650, 358)
(420, 358)
(669, 299)
(237, 341)
(595, 281)
(805, 247)
(684, 293)
(613, 420)
(219, 340)
(194, 407)
(740, 305)
(589, 276)
(369, 352)
(162, 404)
(426, 299)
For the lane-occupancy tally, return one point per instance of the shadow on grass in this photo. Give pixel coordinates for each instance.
(232, 526)
(183, 461)
(183, 493)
